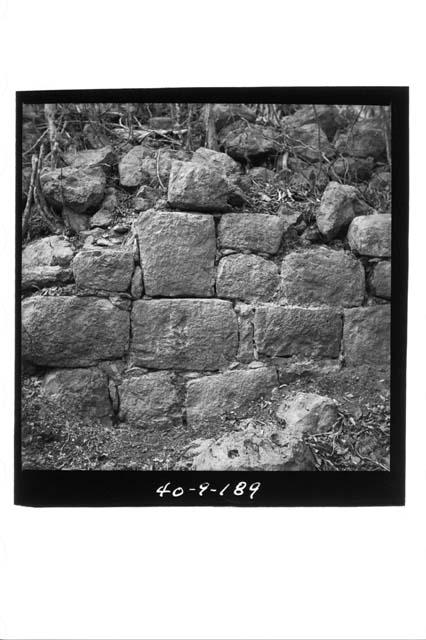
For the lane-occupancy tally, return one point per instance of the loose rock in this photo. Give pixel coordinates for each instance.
(340, 203)
(103, 158)
(217, 160)
(74, 187)
(371, 235)
(197, 187)
(49, 251)
(242, 140)
(308, 412)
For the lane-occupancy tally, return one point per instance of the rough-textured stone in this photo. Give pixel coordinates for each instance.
(371, 235)
(340, 203)
(177, 252)
(184, 334)
(80, 391)
(245, 333)
(290, 369)
(197, 187)
(265, 447)
(380, 280)
(363, 140)
(309, 143)
(103, 269)
(78, 222)
(326, 115)
(103, 158)
(136, 287)
(216, 160)
(288, 331)
(73, 187)
(246, 277)
(308, 412)
(150, 400)
(39, 277)
(251, 231)
(72, 332)
(49, 251)
(366, 335)
(102, 218)
(322, 275)
(141, 165)
(224, 114)
(242, 140)
(353, 169)
(210, 399)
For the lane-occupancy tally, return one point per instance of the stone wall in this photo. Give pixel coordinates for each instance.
(204, 308)
(219, 318)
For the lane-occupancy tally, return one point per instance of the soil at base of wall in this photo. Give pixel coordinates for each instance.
(359, 441)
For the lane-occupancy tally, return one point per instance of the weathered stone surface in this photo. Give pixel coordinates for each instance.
(177, 252)
(140, 165)
(371, 235)
(324, 276)
(210, 399)
(80, 391)
(49, 251)
(264, 447)
(184, 334)
(340, 203)
(251, 231)
(290, 369)
(103, 158)
(150, 400)
(216, 160)
(363, 140)
(136, 287)
(326, 115)
(224, 114)
(245, 333)
(288, 331)
(242, 140)
(197, 187)
(246, 277)
(308, 412)
(309, 143)
(366, 335)
(72, 332)
(103, 269)
(77, 188)
(39, 277)
(78, 222)
(105, 216)
(380, 280)
(353, 169)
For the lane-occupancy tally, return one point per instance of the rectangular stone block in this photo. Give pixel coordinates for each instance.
(366, 335)
(72, 332)
(150, 400)
(251, 231)
(108, 270)
(246, 277)
(177, 252)
(211, 398)
(184, 334)
(297, 331)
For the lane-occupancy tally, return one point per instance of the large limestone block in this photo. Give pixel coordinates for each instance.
(79, 189)
(297, 331)
(80, 391)
(217, 160)
(251, 231)
(184, 334)
(198, 187)
(210, 399)
(72, 332)
(103, 269)
(340, 203)
(150, 400)
(372, 235)
(177, 252)
(380, 280)
(246, 277)
(49, 251)
(366, 335)
(322, 276)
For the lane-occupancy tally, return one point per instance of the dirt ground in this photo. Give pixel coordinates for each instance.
(359, 441)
